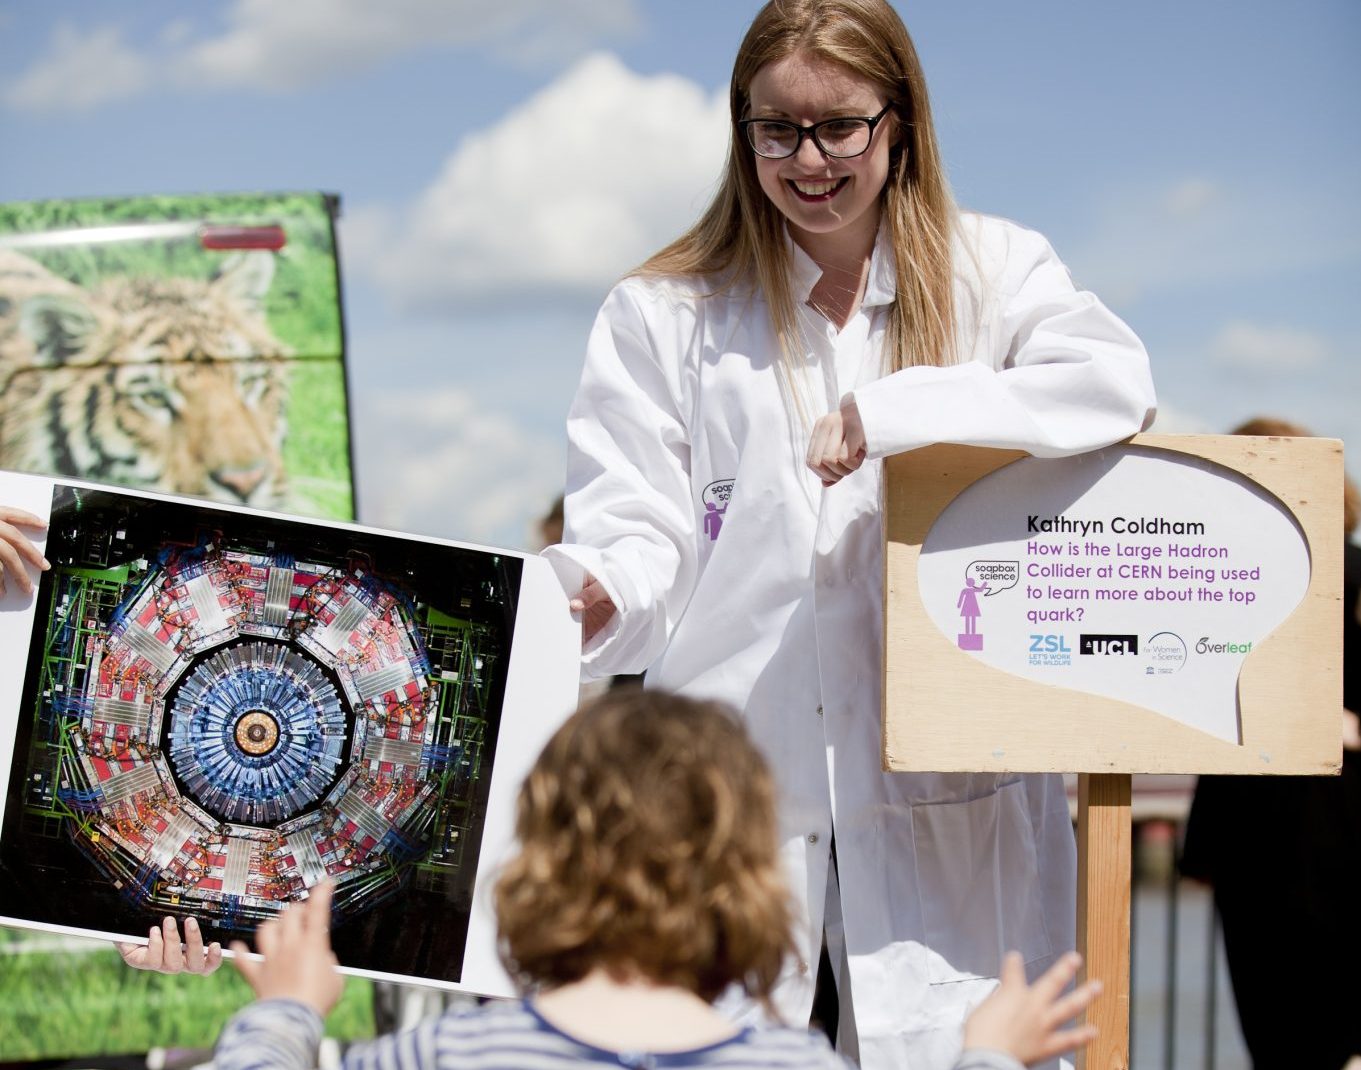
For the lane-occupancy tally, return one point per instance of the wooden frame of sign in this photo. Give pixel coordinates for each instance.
(945, 710)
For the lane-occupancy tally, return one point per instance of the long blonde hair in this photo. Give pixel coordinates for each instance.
(741, 234)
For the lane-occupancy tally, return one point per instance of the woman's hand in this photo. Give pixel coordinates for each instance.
(297, 962)
(16, 548)
(837, 446)
(1026, 1021)
(163, 953)
(595, 607)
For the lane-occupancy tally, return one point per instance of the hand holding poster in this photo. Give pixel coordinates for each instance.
(206, 710)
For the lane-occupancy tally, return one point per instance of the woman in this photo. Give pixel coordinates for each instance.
(830, 308)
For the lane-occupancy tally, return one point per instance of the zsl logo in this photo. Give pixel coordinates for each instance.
(1049, 644)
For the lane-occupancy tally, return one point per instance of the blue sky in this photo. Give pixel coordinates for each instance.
(500, 163)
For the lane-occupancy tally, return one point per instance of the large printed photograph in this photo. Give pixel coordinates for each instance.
(220, 709)
(185, 345)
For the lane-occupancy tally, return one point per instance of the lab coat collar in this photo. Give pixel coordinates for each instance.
(880, 289)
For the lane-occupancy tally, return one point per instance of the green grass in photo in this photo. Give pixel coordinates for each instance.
(316, 449)
(68, 1003)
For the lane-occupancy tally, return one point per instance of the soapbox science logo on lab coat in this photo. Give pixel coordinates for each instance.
(1127, 540)
(715, 498)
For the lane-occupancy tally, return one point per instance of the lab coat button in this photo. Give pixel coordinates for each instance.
(812, 837)
(803, 967)
(819, 711)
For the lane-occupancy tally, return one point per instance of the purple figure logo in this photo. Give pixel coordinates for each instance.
(967, 604)
(713, 519)
(716, 498)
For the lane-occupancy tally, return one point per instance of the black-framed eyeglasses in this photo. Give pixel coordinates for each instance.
(842, 137)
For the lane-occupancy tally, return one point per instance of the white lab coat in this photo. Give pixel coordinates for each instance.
(781, 613)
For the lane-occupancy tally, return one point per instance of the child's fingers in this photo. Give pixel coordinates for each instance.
(246, 966)
(1074, 1003)
(1067, 1040)
(290, 923)
(1055, 979)
(267, 937)
(213, 958)
(317, 921)
(1013, 970)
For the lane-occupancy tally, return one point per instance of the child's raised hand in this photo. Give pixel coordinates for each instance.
(297, 959)
(1026, 1021)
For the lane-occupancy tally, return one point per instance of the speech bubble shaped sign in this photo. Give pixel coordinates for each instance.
(1140, 574)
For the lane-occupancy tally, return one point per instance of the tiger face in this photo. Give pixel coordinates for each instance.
(174, 385)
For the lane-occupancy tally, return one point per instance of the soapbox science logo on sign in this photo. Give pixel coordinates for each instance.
(1110, 560)
(982, 578)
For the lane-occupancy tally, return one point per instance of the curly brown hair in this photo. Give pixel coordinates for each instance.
(647, 848)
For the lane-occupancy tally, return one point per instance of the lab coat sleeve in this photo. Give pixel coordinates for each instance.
(628, 517)
(1067, 375)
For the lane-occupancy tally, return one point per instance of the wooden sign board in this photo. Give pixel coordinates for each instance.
(1225, 657)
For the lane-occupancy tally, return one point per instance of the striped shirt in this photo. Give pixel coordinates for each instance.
(280, 1034)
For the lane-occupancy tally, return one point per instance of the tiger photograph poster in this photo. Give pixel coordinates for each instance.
(180, 344)
(205, 710)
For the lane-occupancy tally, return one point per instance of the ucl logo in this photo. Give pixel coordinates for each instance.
(1108, 644)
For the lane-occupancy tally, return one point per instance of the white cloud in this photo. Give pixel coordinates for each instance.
(273, 46)
(1195, 232)
(83, 70)
(441, 463)
(567, 192)
(1191, 197)
(303, 42)
(176, 32)
(1253, 347)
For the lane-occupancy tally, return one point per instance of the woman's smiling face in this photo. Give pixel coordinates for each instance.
(832, 204)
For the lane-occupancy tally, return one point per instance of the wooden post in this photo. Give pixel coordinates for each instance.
(1103, 921)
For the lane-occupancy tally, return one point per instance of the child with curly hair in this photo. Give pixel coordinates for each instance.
(646, 883)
